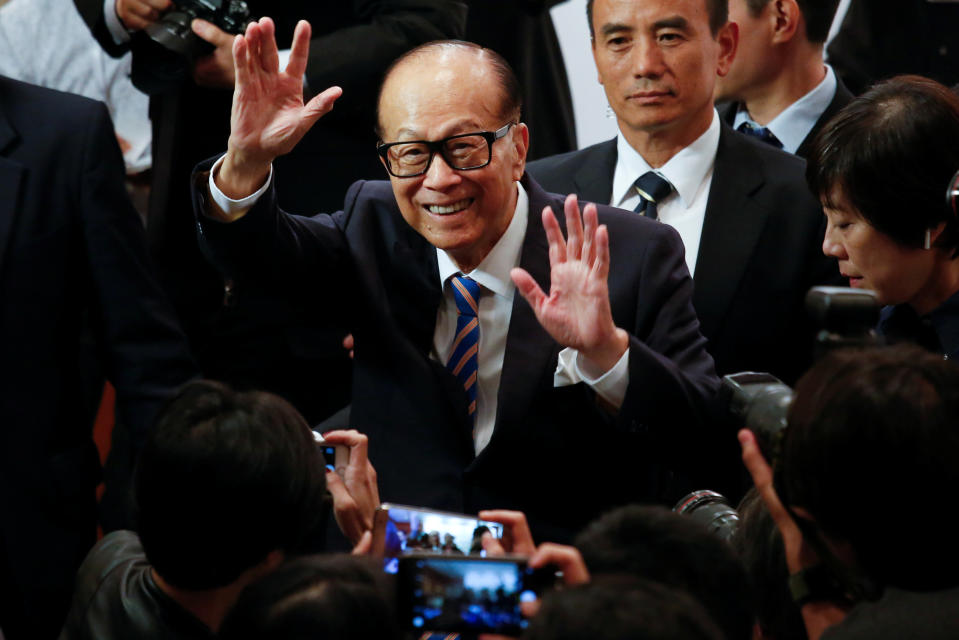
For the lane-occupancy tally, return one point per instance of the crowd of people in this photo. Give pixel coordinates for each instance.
(530, 340)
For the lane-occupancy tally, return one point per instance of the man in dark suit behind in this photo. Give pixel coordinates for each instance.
(72, 257)
(607, 374)
(778, 80)
(751, 228)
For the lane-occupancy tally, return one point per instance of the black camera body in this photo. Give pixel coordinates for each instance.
(172, 31)
(760, 401)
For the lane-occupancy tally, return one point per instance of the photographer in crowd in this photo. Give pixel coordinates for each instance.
(227, 485)
(881, 169)
(868, 464)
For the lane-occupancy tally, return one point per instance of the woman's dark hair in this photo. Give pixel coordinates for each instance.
(225, 478)
(890, 155)
(330, 597)
(760, 547)
(872, 453)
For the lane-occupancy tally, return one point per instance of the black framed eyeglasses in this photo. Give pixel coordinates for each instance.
(462, 152)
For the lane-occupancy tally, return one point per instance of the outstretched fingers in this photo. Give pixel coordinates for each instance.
(601, 264)
(574, 228)
(299, 54)
(528, 288)
(321, 105)
(269, 55)
(591, 220)
(554, 236)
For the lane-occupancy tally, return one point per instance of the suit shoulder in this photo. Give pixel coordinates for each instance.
(33, 101)
(555, 172)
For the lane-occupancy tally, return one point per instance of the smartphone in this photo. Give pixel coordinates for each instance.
(400, 529)
(467, 594)
(337, 456)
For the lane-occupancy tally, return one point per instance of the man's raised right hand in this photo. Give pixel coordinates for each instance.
(269, 116)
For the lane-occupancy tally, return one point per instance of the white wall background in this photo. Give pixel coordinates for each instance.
(589, 101)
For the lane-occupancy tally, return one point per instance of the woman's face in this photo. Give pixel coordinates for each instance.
(873, 260)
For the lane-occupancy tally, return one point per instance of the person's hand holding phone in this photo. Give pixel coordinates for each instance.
(355, 494)
(516, 534)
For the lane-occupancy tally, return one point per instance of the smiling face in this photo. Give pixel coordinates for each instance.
(441, 93)
(658, 62)
(873, 260)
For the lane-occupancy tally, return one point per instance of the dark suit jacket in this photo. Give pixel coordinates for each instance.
(554, 452)
(842, 97)
(522, 32)
(914, 36)
(250, 337)
(759, 254)
(72, 253)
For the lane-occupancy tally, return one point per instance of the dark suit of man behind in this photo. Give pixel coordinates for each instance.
(554, 452)
(758, 255)
(72, 254)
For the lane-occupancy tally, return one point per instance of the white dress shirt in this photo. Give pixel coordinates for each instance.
(495, 311)
(796, 121)
(690, 172)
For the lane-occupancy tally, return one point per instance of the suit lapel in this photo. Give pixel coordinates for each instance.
(11, 175)
(593, 180)
(530, 351)
(415, 288)
(731, 228)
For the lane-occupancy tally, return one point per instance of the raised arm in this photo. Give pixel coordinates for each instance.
(268, 116)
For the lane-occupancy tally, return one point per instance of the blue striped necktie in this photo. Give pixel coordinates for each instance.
(463, 360)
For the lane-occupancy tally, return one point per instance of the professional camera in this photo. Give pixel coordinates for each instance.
(760, 401)
(173, 31)
(712, 510)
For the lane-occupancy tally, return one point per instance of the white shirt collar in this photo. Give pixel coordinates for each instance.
(796, 121)
(686, 170)
(493, 272)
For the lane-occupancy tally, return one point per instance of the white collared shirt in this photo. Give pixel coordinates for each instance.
(796, 121)
(495, 311)
(690, 172)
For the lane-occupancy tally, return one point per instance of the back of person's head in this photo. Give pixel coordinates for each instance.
(871, 453)
(654, 543)
(760, 546)
(621, 608)
(312, 598)
(890, 155)
(224, 479)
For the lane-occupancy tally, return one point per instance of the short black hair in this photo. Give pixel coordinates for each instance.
(621, 608)
(890, 155)
(334, 597)
(870, 452)
(224, 479)
(511, 93)
(760, 547)
(655, 543)
(718, 15)
(818, 15)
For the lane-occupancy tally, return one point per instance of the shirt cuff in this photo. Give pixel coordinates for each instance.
(117, 31)
(611, 385)
(230, 206)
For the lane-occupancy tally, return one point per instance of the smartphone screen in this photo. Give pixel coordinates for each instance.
(416, 530)
(444, 593)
